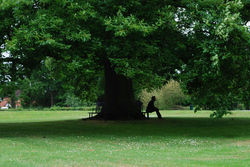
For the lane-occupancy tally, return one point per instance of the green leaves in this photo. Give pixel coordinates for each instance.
(82, 11)
(230, 19)
(212, 75)
(166, 17)
(202, 43)
(122, 25)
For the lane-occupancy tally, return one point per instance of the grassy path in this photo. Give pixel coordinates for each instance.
(44, 139)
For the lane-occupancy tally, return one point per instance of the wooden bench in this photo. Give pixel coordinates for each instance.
(146, 114)
(96, 110)
(91, 114)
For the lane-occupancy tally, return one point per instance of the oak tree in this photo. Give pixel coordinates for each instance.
(203, 43)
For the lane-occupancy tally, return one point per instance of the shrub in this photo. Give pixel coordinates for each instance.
(168, 96)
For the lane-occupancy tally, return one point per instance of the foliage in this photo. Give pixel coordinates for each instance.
(202, 43)
(217, 78)
(33, 93)
(72, 100)
(40, 89)
(168, 96)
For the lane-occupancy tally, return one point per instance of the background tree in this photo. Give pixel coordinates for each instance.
(40, 89)
(169, 96)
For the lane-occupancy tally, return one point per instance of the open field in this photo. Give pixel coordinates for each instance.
(182, 138)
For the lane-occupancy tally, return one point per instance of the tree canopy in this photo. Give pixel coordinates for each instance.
(202, 43)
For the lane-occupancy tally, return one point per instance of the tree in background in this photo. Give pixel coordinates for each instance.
(40, 89)
(169, 96)
(141, 43)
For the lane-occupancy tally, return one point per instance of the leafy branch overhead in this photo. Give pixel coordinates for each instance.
(203, 43)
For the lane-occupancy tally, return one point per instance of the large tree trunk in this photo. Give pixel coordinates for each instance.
(119, 101)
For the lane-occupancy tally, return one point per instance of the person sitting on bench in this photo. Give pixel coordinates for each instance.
(151, 107)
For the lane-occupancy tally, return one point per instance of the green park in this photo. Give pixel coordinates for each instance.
(124, 83)
(182, 138)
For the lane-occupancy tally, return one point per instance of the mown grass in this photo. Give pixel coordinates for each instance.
(62, 139)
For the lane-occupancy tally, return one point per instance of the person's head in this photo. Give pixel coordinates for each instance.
(153, 98)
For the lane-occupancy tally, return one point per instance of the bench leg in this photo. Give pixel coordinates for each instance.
(147, 115)
(90, 115)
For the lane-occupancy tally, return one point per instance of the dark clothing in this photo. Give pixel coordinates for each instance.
(151, 108)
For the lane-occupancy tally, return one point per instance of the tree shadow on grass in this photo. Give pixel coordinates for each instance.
(168, 127)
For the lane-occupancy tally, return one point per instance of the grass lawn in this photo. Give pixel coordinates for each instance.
(182, 139)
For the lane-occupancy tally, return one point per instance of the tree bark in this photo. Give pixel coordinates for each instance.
(13, 99)
(119, 101)
(51, 99)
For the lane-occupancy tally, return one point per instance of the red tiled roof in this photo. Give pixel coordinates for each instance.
(7, 100)
(3, 103)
